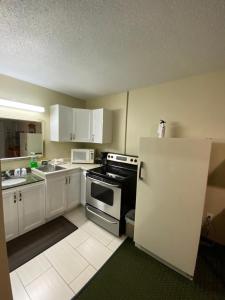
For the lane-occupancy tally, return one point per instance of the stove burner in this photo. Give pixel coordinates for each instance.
(113, 173)
(114, 176)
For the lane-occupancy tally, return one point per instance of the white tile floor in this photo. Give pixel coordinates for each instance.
(62, 270)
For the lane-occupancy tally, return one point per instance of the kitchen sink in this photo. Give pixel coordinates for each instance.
(12, 181)
(50, 168)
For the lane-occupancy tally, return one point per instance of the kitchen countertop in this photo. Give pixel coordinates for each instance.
(84, 167)
(68, 167)
(30, 178)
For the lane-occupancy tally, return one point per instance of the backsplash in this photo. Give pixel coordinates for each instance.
(13, 164)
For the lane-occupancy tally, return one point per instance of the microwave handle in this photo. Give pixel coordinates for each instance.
(104, 183)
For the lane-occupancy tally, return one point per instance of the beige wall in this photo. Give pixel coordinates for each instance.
(192, 107)
(21, 91)
(117, 103)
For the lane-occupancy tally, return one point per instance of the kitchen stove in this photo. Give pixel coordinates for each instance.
(111, 192)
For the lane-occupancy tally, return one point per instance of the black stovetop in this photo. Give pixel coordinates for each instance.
(112, 172)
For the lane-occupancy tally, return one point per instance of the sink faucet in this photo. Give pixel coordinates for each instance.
(5, 175)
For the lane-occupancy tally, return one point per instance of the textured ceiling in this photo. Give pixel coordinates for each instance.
(88, 48)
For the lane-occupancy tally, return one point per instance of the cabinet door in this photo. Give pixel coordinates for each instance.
(83, 187)
(65, 123)
(55, 196)
(102, 126)
(10, 209)
(82, 125)
(31, 207)
(61, 123)
(73, 190)
(97, 126)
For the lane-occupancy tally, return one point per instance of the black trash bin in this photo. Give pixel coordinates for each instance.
(130, 218)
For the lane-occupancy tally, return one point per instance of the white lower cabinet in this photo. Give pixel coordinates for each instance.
(83, 187)
(28, 206)
(11, 218)
(62, 193)
(24, 209)
(72, 190)
(31, 207)
(55, 195)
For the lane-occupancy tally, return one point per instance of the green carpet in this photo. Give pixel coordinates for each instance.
(132, 274)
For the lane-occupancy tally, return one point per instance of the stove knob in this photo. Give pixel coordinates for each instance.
(135, 160)
(131, 160)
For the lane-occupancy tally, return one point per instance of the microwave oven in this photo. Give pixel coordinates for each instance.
(82, 156)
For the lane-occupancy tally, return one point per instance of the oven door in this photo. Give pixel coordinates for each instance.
(104, 196)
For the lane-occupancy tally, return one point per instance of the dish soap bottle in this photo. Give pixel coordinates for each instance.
(33, 161)
(161, 129)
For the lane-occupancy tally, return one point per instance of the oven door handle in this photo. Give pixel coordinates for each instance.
(94, 213)
(104, 183)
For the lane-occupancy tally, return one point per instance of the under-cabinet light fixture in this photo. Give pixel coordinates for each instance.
(19, 105)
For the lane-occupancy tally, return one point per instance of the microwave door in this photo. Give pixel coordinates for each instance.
(82, 156)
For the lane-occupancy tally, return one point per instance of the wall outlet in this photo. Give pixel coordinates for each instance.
(209, 216)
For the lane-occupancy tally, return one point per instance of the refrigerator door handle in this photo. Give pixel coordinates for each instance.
(140, 170)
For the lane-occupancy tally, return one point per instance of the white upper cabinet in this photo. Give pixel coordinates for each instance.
(80, 125)
(82, 120)
(101, 126)
(61, 123)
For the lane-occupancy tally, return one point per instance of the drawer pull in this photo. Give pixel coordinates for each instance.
(92, 212)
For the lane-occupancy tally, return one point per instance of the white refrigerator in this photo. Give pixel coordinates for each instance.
(171, 191)
(31, 143)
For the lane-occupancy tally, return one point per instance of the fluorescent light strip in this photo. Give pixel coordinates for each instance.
(20, 105)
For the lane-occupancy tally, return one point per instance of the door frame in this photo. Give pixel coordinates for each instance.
(5, 285)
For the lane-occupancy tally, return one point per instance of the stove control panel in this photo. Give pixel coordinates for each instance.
(133, 160)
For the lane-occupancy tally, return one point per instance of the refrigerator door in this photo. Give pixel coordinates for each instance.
(31, 142)
(170, 199)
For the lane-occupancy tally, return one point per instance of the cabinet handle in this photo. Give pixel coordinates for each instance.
(66, 180)
(71, 136)
(20, 196)
(14, 198)
(74, 136)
